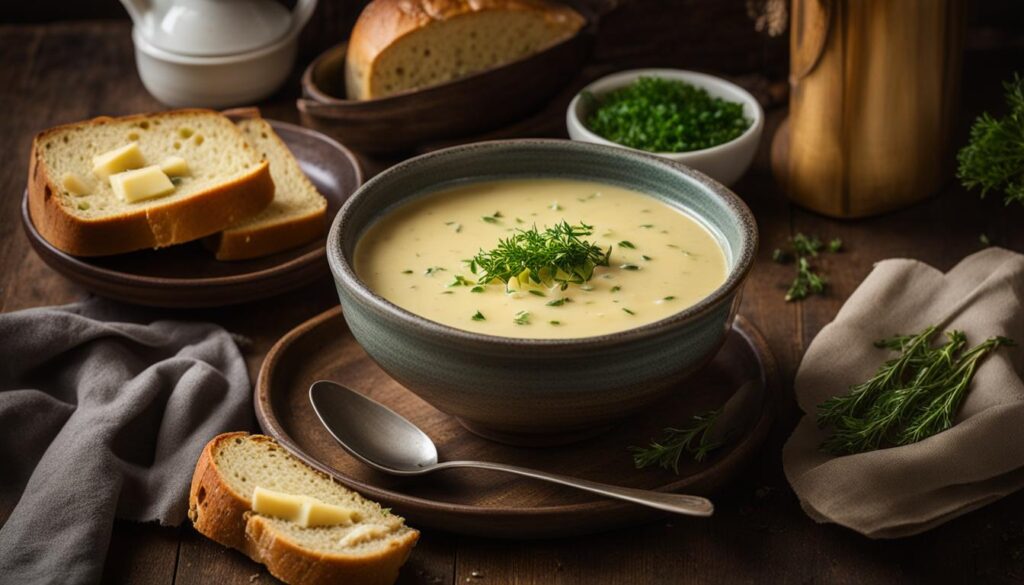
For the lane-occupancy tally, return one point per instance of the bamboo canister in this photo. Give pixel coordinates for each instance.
(874, 89)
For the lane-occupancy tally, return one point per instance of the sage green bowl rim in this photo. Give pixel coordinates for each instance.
(344, 272)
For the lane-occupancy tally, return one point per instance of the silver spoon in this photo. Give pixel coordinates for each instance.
(383, 439)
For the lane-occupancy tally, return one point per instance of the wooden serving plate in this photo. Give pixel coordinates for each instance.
(495, 504)
(473, 104)
(188, 275)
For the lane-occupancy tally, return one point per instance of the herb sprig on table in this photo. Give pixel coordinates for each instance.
(911, 397)
(808, 280)
(664, 115)
(559, 254)
(993, 159)
(692, 439)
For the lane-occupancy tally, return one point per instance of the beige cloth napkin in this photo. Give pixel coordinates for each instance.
(905, 490)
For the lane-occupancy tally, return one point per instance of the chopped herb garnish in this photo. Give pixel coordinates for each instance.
(630, 267)
(478, 316)
(628, 311)
(983, 238)
(447, 292)
(647, 226)
(518, 220)
(669, 298)
(407, 272)
(460, 280)
(497, 214)
(477, 289)
(692, 439)
(522, 318)
(807, 282)
(646, 257)
(490, 218)
(559, 302)
(665, 115)
(555, 322)
(430, 271)
(835, 245)
(555, 206)
(627, 244)
(556, 255)
(616, 289)
(537, 293)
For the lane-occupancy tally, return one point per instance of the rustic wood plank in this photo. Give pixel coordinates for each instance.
(145, 553)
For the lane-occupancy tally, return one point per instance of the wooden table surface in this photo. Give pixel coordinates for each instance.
(65, 72)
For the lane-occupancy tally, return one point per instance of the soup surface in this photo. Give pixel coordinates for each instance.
(661, 260)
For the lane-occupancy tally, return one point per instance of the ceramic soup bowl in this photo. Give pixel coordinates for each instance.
(541, 391)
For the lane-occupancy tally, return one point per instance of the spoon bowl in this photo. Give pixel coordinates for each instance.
(386, 441)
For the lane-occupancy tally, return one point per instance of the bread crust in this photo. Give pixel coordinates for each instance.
(243, 244)
(157, 226)
(384, 22)
(223, 515)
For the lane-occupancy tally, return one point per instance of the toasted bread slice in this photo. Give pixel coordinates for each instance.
(226, 182)
(297, 215)
(368, 552)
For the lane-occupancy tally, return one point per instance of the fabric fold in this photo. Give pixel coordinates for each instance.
(103, 415)
(899, 491)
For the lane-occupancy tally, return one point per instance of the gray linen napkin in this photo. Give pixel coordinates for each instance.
(102, 419)
(905, 490)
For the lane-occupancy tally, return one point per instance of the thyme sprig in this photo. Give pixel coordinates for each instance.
(692, 439)
(911, 397)
(557, 255)
(808, 280)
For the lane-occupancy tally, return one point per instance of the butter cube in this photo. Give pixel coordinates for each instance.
(118, 160)
(76, 184)
(305, 511)
(175, 166)
(140, 184)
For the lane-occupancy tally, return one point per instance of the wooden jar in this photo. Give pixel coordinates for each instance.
(874, 87)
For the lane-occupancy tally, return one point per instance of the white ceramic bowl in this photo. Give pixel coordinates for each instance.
(725, 163)
(214, 82)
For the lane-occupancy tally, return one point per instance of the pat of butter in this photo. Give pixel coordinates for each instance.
(174, 166)
(118, 160)
(305, 511)
(76, 184)
(140, 184)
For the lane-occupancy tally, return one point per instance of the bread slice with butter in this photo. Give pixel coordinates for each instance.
(207, 178)
(401, 45)
(351, 540)
(296, 216)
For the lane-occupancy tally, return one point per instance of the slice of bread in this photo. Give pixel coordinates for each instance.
(297, 215)
(368, 552)
(227, 182)
(400, 45)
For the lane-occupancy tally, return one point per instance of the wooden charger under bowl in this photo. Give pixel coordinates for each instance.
(472, 104)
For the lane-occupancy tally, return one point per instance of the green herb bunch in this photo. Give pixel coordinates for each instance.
(993, 159)
(911, 397)
(556, 255)
(663, 115)
(807, 281)
(692, 439)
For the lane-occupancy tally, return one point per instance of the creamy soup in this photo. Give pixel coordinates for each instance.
(661, 259)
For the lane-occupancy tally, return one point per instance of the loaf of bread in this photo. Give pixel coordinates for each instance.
(297, 215)
(368, 551)
(77, 210)
(400, 45)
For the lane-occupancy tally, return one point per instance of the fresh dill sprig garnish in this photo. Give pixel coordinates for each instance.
(692, 439)
(557, 255)
(993, 159)
(911, 397)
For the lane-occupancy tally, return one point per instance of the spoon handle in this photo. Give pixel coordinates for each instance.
(675, 503)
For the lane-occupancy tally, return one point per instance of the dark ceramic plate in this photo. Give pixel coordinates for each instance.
(188, 275)
(491, 504)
